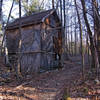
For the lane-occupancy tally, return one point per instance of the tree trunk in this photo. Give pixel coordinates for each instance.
(18, 66)
(53, 4)
(96, 32)
(92, 45)
(81, 39)
(7, 21)
(64, 14)
(94, 54)
(61, 10)
(71, 39)
(0, 23)
(96, 26)
(75, 47)
(4, 44)
(1, 1)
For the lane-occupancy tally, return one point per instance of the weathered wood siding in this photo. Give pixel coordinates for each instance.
(47, 44)
(30, 62)
(35, 38)
(12, 41)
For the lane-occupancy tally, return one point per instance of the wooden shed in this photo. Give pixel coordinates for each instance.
(41, 41)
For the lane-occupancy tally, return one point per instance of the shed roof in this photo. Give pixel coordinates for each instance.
(29, 20)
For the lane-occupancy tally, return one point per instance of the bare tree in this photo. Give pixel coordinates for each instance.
(81, 39)
(64, 14)
(53, 4)
(71, 38)
(1, 1)
(18, 67)
(75, 38)
(92, 45)
(94, 54)
(96, 26)
(61, 10)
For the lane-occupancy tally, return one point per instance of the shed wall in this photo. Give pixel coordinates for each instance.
(30, 60)
(47, 44)
(12, 41)
(30, 36)
(34, 40)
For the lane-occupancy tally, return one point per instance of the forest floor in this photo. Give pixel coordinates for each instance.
(59, 84)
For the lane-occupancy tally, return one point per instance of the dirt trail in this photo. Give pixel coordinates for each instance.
(45, 86)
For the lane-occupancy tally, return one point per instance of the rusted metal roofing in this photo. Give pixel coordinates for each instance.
(29, 20)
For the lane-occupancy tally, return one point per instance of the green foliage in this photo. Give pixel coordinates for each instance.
(31, 6)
